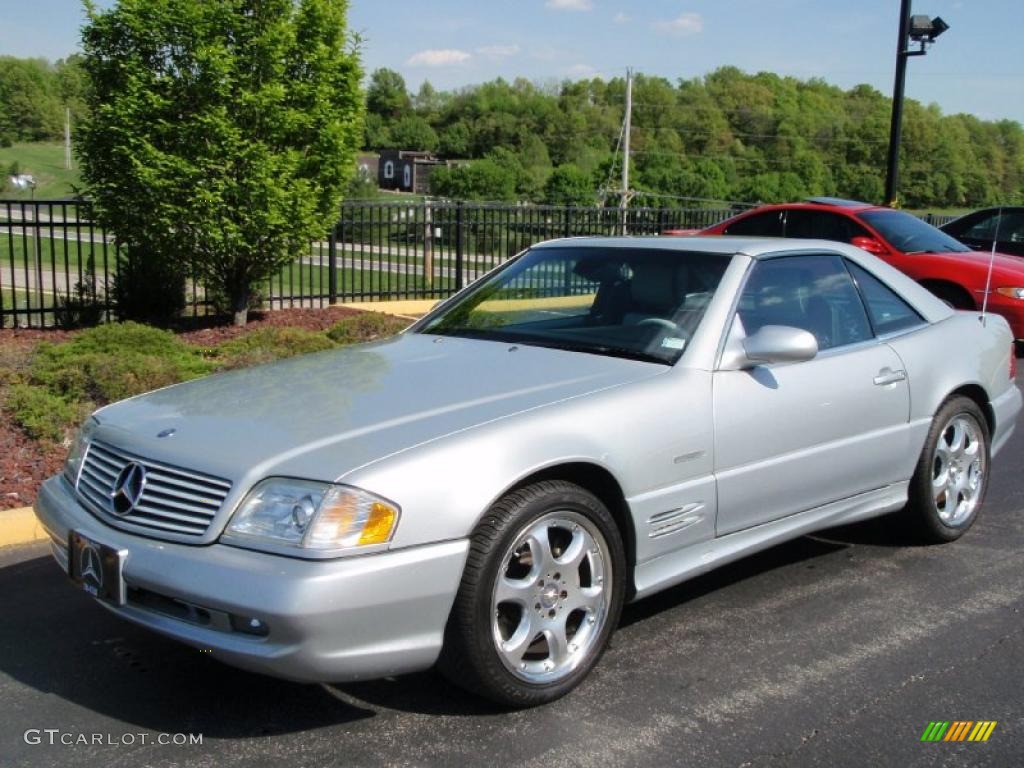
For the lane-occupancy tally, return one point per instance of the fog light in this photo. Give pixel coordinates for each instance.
(249, 625)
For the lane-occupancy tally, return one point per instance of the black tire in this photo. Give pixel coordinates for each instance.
(470, 657)
(922, 515)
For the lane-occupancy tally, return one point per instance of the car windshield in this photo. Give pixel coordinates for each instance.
(911, 235)
(636, 303)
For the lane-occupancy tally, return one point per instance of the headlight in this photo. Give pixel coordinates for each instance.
(1013, 293)
(314, 516)
(77, 450)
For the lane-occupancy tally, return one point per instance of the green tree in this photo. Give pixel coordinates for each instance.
(221, 134)
(479, 180)
(413, 132)
(568, 185)
(386, 95)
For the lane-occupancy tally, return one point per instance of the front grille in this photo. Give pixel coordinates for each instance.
(169, 499)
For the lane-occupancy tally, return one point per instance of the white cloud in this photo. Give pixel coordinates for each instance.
(444, 57)
(622, 18)
(570, 5)
(684, 24)
(498, 51)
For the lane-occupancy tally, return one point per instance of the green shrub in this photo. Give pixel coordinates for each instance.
(112, 362)
(100, 365)
(366, 326)
(268, 344)
(41, 414)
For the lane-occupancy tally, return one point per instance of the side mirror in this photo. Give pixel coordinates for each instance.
(779, 344)
(869, 244)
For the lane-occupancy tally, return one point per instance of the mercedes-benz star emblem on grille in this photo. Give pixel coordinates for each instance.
(92, 566)
(128, 488)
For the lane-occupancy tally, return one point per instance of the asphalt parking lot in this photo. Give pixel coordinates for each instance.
(836, 649)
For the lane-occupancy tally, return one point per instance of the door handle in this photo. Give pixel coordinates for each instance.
(889, 376)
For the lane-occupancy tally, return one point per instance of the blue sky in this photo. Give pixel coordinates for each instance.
(976, 67)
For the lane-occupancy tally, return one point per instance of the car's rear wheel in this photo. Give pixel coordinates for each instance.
(541, 594)
(949, 485)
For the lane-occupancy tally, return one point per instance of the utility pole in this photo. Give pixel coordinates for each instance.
(67, 138)
(624, 201)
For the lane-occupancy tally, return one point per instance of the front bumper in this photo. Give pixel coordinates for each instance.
(328, 621)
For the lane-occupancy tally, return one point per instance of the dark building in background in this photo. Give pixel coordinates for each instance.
(406, 171)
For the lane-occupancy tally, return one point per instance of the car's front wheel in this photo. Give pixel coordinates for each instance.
(541, 594)
(949, 485)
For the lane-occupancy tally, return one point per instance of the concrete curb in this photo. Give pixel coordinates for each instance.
(20, 526)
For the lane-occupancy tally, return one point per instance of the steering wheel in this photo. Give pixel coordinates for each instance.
(661, 322)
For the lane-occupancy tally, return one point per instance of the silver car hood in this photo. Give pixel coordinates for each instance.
(320, 416)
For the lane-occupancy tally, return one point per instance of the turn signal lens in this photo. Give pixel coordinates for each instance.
(1013, 293)
(351, 518)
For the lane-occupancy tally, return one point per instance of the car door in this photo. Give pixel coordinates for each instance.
(793, 437)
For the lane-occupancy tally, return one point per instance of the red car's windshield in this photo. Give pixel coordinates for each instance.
(911, 235)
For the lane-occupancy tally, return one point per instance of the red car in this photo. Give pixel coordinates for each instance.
(948, 268)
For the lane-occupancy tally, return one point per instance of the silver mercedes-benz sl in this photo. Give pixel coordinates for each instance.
(594, 421)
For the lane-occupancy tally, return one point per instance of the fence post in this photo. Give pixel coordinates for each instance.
(568, 221)
(428, 245)
(332, 266)
(458, 245)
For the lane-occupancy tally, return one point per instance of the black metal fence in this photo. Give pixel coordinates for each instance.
(57, 266)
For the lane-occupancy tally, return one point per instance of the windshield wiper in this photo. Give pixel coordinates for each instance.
(596, 349)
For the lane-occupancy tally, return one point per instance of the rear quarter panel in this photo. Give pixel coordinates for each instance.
(950, 355)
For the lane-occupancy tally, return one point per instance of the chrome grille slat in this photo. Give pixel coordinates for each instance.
(173, 500)
(181, 496)
(149, 500)
(144, 509)
(99, 468)
(98, 480)
(187, 482)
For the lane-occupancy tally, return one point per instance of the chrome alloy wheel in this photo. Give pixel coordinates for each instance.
(551, 597)
(958, 470)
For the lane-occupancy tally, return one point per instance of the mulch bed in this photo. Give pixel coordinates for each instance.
(25, 463)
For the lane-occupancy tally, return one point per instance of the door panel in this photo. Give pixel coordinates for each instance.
(789, 438)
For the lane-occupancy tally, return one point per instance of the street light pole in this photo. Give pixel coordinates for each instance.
(896, 125)
(923, 31)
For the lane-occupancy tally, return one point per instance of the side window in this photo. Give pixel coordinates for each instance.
(984, 229)
(889, 312)
(767, 224)
(814, 293)
(821, 225)
(1009, 226)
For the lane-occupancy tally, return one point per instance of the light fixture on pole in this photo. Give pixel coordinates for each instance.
(923, 30)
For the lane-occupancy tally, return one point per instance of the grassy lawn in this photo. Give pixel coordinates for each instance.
(52, 251)
(44, 161)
